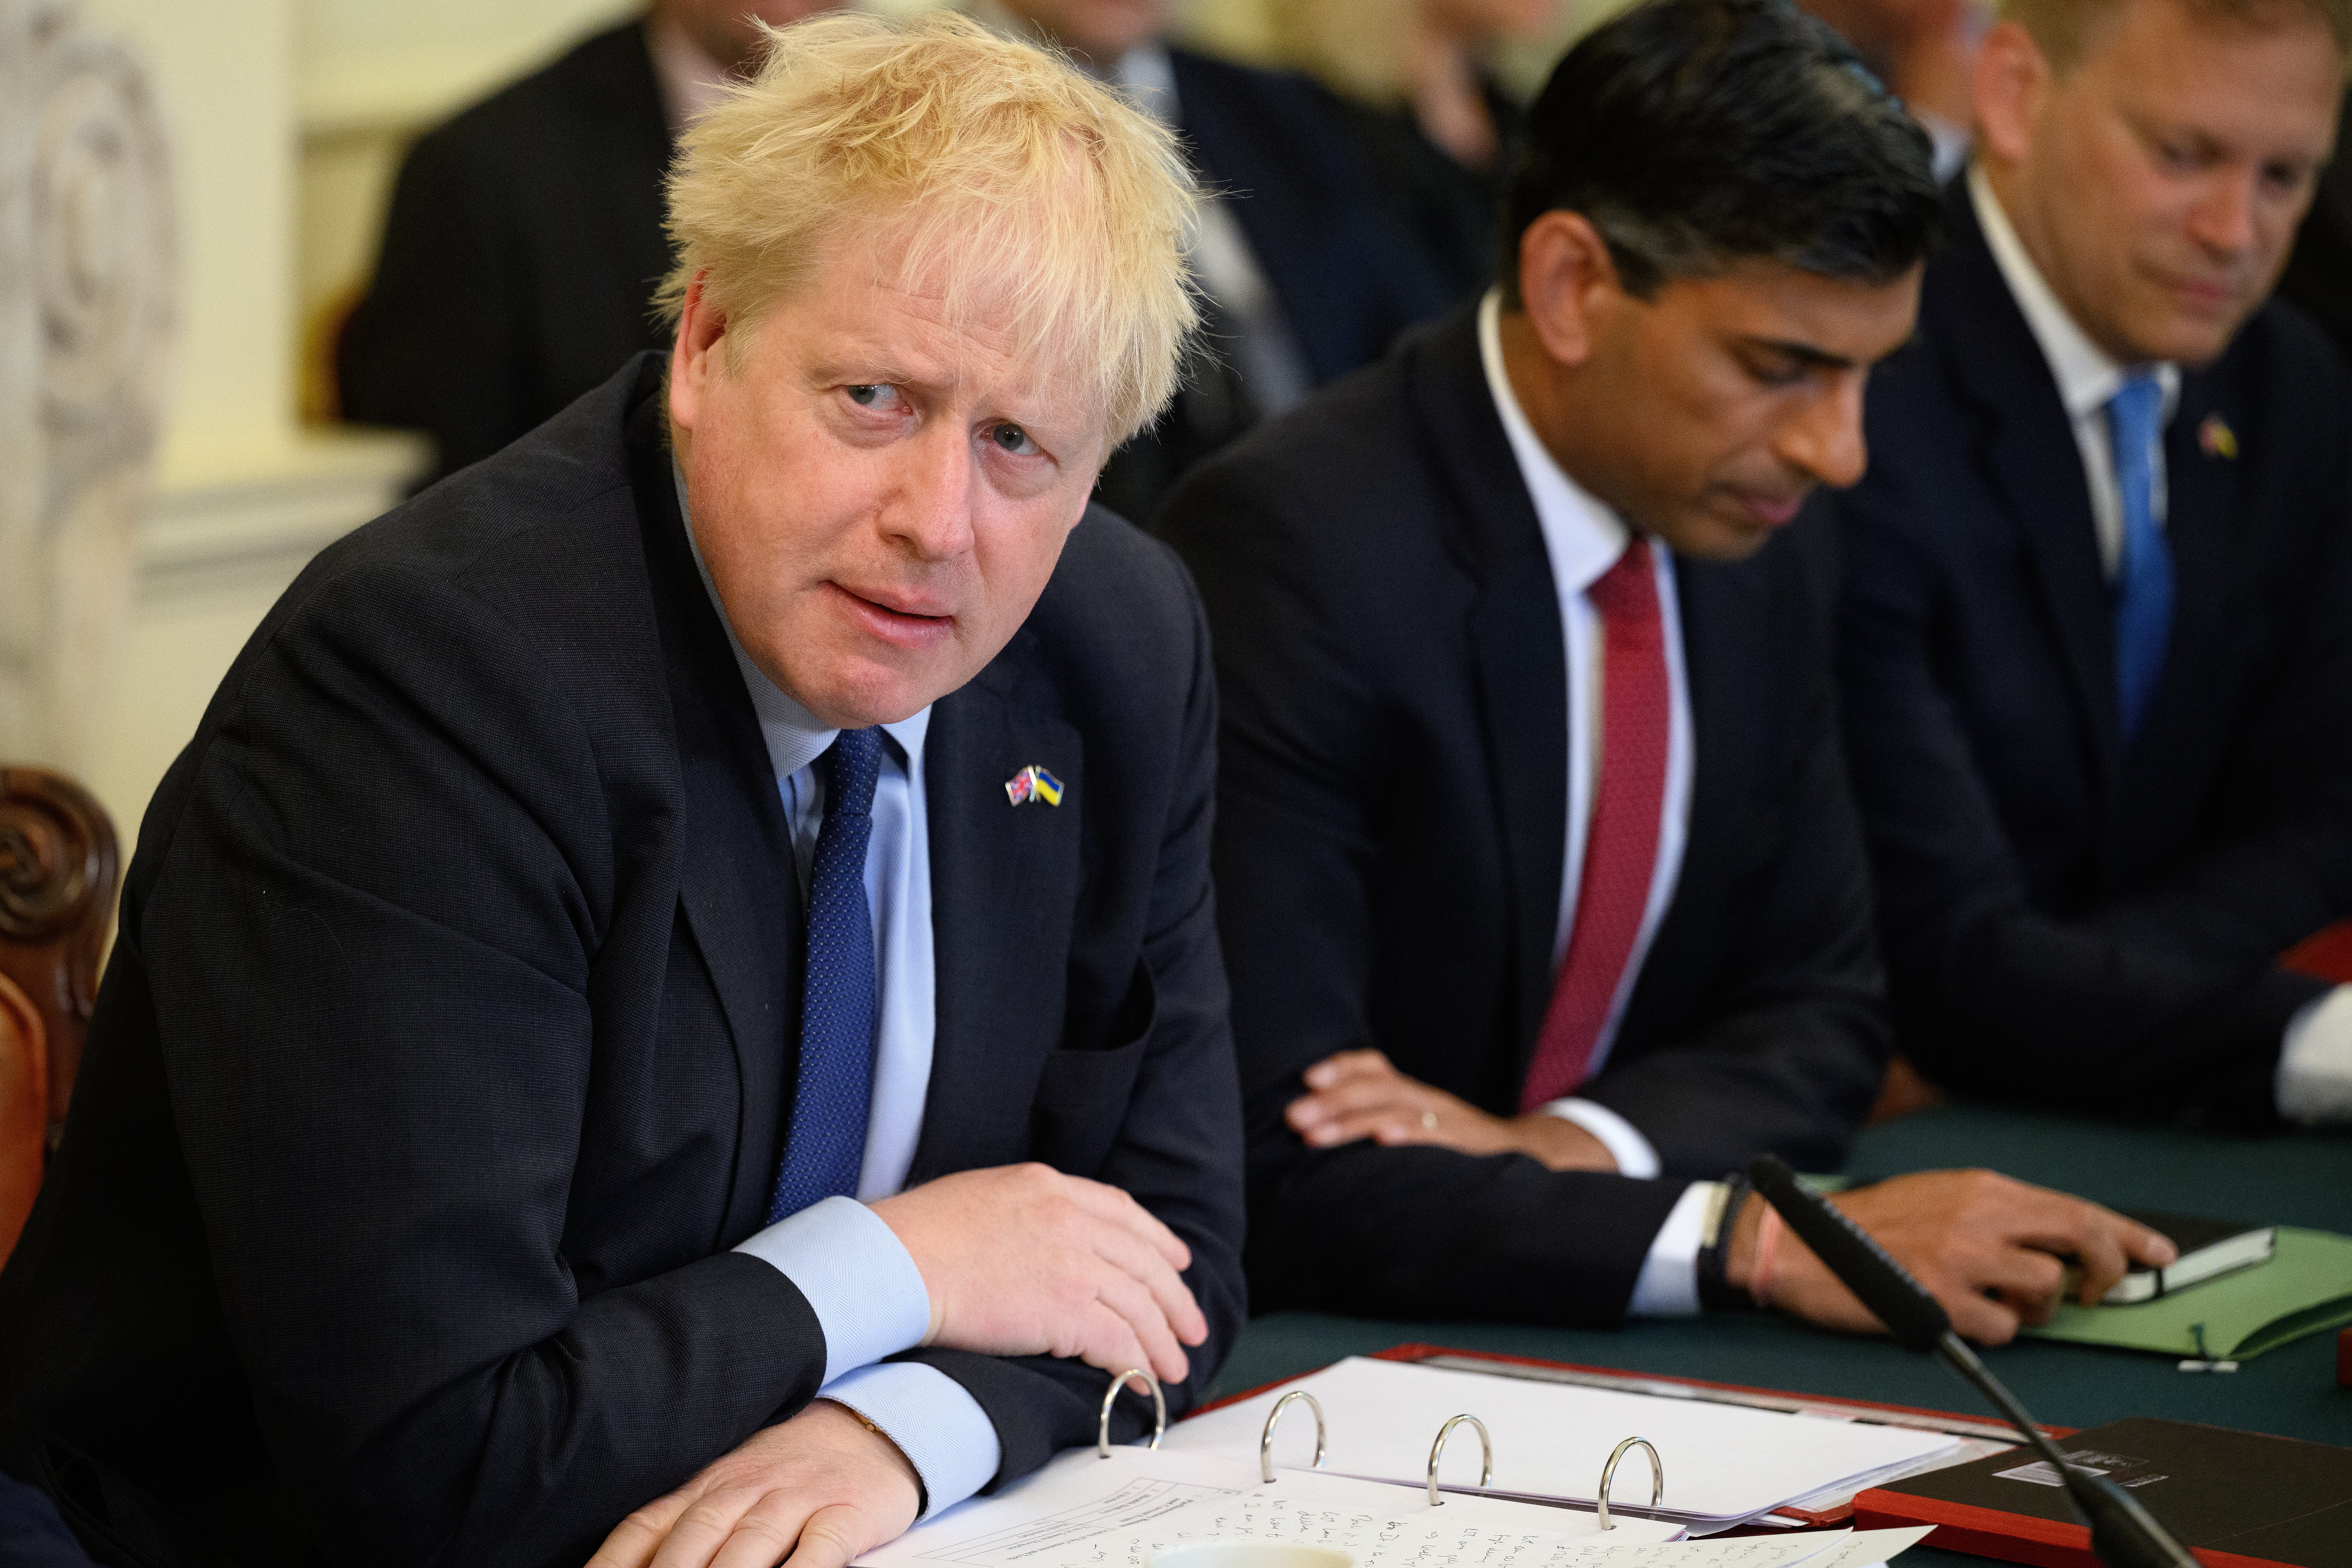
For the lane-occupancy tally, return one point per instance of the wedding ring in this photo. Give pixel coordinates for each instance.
(1429, 1121)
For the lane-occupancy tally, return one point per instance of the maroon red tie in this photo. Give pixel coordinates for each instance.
(1621, 852)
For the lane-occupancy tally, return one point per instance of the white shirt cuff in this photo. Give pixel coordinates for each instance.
(935, 1421)
(867, 1294)
(2314, 1071)
(1668, 1285)
(1623, 1140)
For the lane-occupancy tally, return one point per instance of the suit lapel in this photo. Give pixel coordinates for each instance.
(1005, 887)
(2201, 507)
(2029, 454)
(1517, 646)
(741, 897)
(1722, 607)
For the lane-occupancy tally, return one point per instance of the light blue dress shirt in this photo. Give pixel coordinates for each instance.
(864, 1289)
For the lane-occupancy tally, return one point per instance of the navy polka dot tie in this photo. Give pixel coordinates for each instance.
(826, 1142)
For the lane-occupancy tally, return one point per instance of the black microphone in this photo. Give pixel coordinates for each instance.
(2124, 1534)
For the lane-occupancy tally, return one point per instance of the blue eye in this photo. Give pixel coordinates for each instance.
(865, 395)
(1013, 439)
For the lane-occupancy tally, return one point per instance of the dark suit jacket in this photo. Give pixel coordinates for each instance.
(1270, 144)
(1390, 824)
(446, 1048)
(2319, 273)
(521, 256)
(2066, 919)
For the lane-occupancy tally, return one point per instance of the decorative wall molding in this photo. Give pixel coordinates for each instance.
(85, 284)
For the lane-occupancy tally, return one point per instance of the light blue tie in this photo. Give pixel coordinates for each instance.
(825, 1145)
(2141, 593)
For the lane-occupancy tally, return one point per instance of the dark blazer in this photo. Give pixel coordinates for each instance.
(1268, 144)
(1390, 823)
(2066, 919)
(443, 1053)
(520, 257)
(1449, 212)
(2319, 273)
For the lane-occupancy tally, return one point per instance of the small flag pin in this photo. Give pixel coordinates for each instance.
(2217, 438)
(1033, 782)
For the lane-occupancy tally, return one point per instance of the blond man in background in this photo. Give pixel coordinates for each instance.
(673, 996)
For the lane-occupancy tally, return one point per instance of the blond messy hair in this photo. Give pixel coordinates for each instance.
(2062, 29)
(981, 164)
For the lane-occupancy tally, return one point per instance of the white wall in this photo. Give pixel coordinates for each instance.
(244, 495)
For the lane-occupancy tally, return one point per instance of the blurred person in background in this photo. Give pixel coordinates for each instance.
(2097, 632)
(1417, 95)
(1307, 277)
(524, 242)
(2319, 274)
(1925, 50)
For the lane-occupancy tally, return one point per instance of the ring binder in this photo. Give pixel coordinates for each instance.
(1437, 1451)
(1266, 1434)
(1609, 1474)
(1159, 1410)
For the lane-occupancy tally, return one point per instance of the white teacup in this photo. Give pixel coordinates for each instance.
(1250, 1554)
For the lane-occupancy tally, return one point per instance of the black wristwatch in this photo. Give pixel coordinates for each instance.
(1716, 1293)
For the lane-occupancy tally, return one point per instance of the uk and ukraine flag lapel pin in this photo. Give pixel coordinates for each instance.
(1033, 782)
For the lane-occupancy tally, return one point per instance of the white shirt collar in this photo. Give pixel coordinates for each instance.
(1144, 74)
(794, 736)
(2087, 375)
(691, 82)
(1583, 537)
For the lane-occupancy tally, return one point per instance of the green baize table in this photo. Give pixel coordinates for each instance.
(2291, 1179)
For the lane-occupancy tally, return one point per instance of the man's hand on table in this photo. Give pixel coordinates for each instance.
(1361, 1094)
(814, 1491)
(1024, 1260)
(1994, 1251)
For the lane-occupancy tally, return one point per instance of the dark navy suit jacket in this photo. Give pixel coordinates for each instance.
(1392, 819)
(2068, 919)
(444, 1051)
(520, 257)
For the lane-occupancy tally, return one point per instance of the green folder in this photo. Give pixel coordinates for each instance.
(2306, 1287)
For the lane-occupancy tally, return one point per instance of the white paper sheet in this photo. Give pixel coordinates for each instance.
(1081, 1510)
(1723, 1462)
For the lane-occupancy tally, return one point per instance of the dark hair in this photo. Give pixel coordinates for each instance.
(1696, 135)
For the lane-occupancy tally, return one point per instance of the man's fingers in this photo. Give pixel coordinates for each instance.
(698, 1532)
(1982, 1319)
(1140, 1311)
(829, 1540)
(1121, 1209)
(634, 1540)
(1102, 1338)
(764, 1534)
(1343, 1065)
(1177, 1308)
(1356, 1097)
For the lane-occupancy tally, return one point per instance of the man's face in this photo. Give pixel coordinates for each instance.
(2159, 181)
(1101, 30)
(879, 495)
(1724, 400)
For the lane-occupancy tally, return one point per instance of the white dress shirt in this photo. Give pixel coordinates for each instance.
(1583, 539)
(868, 1297)
(2314, 1072)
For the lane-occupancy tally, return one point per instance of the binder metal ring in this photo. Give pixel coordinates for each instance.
(1437, 1451)
(1266, 1436)
(1609, 1474)
(1159, 1410)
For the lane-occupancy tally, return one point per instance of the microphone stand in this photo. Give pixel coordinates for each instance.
(2124, 1534)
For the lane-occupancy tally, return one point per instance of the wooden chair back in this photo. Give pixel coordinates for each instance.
(58, 870)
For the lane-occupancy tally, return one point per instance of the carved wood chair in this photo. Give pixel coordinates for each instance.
(58, 875)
